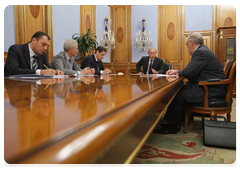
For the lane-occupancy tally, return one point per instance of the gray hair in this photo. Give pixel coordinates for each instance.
(196, 37)
(69, 44)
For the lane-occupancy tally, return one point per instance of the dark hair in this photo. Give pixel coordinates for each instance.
(38, 35)
(100, 49)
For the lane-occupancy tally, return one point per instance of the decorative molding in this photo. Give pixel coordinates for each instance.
(171, 31)
(228, 22)
(120, 34)
(34, 9)
(88, 22)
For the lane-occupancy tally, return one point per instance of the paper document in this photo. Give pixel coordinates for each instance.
(157, 75)
(30, 76)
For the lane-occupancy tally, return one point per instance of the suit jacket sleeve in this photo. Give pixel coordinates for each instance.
(195, 66)
(160, 67)
(76, 66)
(59, 63)
(42, 60)
(16, 62)
(139, 65)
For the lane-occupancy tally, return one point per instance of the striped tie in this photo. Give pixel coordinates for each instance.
(34, 66)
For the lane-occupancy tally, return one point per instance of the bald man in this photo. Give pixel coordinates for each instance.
(151, 64)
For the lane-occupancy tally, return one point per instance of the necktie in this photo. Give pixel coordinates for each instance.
(34, 64)
(69, 64)
(150, 68)
(97, 65)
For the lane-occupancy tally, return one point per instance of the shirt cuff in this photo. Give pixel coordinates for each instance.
(38, 71)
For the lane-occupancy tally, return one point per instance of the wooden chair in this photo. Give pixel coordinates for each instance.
(215, 107)
(224, 65)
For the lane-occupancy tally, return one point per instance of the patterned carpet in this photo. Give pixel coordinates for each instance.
(183, 148)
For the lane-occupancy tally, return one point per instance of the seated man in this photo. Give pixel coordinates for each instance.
(95, 61)
(65, 62)
(30, 58)
(204, 65)
(151, 64)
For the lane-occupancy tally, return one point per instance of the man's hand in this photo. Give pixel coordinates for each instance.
(154, 71)
(47, 72)
(59, 72)
(87, 70)
(141, 73)
(106, 71)
(92, 71)
(171, 72)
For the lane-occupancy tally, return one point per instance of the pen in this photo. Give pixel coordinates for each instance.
(45, 66)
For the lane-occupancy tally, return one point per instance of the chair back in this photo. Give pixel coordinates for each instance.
(167, 65)
(231, 75)
(224, 65)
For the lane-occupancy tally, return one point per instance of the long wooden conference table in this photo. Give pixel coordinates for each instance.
(99, 119)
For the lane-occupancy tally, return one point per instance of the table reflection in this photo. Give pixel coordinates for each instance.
(36, 110)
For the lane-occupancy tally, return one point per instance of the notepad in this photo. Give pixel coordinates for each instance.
(30, 76)
(157, 75)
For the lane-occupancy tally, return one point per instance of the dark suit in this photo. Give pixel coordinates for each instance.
(18, 61)
(157, 65)
(203, 65)
(90, 61)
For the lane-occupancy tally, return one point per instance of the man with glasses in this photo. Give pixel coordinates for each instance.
(204, 65)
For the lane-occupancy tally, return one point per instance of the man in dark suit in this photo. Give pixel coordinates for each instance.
(30, 58)
(95, 61)
(204, 65)
(151, 64)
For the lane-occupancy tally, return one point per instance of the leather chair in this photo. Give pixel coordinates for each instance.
(167, 65)
(215, 107)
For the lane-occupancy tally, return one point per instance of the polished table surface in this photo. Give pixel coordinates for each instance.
(82, 120)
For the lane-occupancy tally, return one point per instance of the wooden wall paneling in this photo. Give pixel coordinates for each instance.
(19, 26)
(30, 19)
(34, 20)
(88, 19)
(170, 33)
(121, 15)
(48, 30)
(226, 16)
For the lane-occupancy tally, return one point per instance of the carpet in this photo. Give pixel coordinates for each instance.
(183, 148)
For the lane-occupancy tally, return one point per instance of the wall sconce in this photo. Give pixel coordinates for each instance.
(143, 42)
(108, 40)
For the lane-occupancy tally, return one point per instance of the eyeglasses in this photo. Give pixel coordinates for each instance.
(187, 42)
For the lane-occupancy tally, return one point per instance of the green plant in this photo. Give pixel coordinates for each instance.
(86, 43)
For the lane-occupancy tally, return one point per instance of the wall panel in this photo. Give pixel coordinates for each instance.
(226, 16)
(121, 55)
(170, 31)
(88, 19)
(30, 19)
